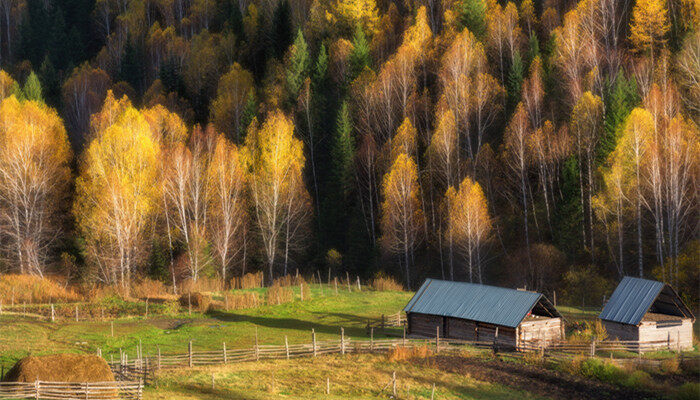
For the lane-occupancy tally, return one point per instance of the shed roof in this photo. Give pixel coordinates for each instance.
(483, 303)
(634, 297)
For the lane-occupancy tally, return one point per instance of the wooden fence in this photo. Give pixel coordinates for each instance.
(66, 390)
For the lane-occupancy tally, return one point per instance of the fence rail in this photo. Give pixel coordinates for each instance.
(120, 390)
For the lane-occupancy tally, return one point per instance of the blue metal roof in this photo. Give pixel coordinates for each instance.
(488, 304)
(631, 300)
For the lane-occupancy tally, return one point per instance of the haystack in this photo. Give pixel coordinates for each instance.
(198, 301)
(61, 368)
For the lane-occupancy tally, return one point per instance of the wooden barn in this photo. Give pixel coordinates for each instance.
(649, 313)
(471, 311)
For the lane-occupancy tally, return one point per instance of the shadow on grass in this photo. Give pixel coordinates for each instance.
(293, 324)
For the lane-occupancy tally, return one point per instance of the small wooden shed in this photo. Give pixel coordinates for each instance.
(470, 311)
(650, 314)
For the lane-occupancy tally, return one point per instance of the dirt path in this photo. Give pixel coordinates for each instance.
(538, 380)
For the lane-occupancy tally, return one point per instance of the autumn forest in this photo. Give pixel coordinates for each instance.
(546, 144)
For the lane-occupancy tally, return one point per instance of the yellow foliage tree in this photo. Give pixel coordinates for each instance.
(402, 216)
(274, 160)
(469, 223)
(34, 183)
(227, 209)
(358, 12)
(236, 88)
(118, 194)
(649, 25)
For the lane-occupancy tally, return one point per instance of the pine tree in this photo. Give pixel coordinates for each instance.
(281, 28)
(298, 66)
(32, 88)
(360, 56)
(472, 16)
(621, 99)
(341, 179)
(50, 83)
(515, 80)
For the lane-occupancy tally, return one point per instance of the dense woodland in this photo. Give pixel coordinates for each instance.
(547, 144)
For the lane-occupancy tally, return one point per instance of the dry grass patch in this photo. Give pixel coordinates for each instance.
(18, 289)
(251, 280)
(386, 283)
(279, 295)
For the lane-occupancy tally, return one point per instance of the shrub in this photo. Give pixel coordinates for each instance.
(533, 358)
(589, 331)
(639, 380)
(688, 391)
(199, 301)
(278, 295)
(601, 370)
(385, 283)
(251, 280)
(669, 366)
(33, 289)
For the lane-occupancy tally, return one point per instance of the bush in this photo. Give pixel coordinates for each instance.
(669, 366)
(199, 301)
(689, 391)
(602, 371)
(585, 286)
(33, 289)
(639, 380)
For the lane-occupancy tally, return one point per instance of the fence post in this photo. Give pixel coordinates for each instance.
(189, 351)
(301, 291)
(359, 288)
(226, 301)
(225, 357)
(76, 313)
(342, 341)
(328, 385)
(53, 314)
(371, 339)
(403, 342)
(593, 348)
(393, 378)
(146, 308)
(36, 388)
(432, 393)
(111, 325)
(189, 303)
(313, 340)
(347, 276)
(286, 346)
(335, 283)
(257, 352)
(158, 358)
(437, 338)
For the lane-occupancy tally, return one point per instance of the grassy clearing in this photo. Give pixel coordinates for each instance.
(351, 377)
(326, 313)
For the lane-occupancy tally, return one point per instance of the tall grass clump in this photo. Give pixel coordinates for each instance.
(385, 283)
(277, 294)
(19, 289)
(251, 280)
(149, 289)
(202, 284)
(403, 353)
(240, 301)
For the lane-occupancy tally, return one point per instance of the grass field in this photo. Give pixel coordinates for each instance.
(356, 377)
(326, 313)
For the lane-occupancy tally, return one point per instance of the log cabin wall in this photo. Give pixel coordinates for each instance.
(425, 324)
(541, 331)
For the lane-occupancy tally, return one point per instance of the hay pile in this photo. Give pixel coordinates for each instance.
(61, 368)
(199, 301)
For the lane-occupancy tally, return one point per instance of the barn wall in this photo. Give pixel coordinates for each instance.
(424, 324)
(653, 335)
(541, 332)
(660, 335)
(463, 329)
